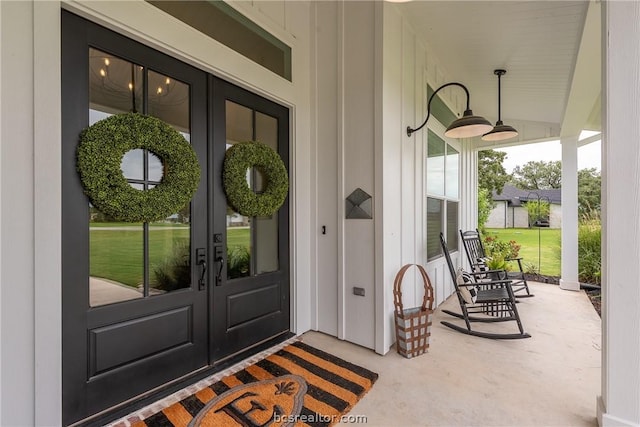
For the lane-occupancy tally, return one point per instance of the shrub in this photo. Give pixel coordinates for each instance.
(538, 210)
(239, 259)
(530, 268)
(485, 205)
(174, 272)
(500, 252)
(496, 247)
(589, 246)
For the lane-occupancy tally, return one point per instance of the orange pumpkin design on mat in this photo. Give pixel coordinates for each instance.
(273, 402)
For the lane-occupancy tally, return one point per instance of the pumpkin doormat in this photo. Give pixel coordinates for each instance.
(298, 385)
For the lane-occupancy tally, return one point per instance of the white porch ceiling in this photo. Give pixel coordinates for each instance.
(537, 42)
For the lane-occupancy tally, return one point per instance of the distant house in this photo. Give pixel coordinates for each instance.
(510, 210)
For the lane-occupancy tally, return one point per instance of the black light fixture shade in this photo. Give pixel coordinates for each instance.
(466, 126)
(500, 131)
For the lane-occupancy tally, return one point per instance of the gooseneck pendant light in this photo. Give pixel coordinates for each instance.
(466, 126)
(500, 130)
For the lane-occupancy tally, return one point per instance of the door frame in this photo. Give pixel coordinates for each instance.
(70, 217)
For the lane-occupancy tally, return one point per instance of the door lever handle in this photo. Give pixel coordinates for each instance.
(203, 264)
(201, 260)
(220, 261)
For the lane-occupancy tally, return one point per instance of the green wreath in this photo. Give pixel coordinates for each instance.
(99, 156)
(238, 159)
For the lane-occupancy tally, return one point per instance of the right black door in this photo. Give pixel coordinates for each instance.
(251, 298)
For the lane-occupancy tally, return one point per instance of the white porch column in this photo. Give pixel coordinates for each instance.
(468, 190)
(569, 278)
(619, 404)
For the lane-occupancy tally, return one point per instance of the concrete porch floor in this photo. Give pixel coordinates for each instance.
(551, 379)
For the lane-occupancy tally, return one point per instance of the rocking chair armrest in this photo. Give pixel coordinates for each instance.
(503, 283)
(484, 272)
(513, 259)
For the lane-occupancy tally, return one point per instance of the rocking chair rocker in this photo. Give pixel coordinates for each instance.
(472, 297)
(477, 259)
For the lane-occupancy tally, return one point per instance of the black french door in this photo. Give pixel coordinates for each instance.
(147, 306)
(251, 303)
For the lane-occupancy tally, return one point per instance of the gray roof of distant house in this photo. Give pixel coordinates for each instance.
(515, 195)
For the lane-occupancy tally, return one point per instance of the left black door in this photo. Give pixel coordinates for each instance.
(134, 313)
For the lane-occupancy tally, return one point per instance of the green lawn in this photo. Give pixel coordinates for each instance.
(528, 239)
(117, 254)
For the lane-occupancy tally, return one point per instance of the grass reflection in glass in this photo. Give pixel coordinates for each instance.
(116, 249)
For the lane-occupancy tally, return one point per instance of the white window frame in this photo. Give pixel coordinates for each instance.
(438, 128)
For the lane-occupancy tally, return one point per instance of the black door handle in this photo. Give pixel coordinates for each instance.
(203, 264)
(201, 260)
(219, 254)
(220, 261)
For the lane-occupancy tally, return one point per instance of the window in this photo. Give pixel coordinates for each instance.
(223, 23)
(442, 186)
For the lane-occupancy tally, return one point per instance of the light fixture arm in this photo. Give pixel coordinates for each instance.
(499, 73)
(466, 91)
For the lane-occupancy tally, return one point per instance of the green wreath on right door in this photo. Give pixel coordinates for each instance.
(243, 156)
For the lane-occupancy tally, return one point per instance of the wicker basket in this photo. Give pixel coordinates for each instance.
(413, 325)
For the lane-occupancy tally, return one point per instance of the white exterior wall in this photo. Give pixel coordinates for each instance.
(520, 217)
(369, 82)
(343, 103)
(30, 358)
(30, 146)
(405, 66)
(325, 187)
(555, 216)
(499, 216)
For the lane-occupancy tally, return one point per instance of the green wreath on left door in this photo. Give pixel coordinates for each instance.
(239, 158)
(99, 158)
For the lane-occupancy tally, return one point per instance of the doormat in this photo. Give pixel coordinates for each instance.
(296, 385)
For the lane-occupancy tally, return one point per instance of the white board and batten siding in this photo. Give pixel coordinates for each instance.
(406, 68)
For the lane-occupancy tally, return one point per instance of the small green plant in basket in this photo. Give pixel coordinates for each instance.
(497, 262)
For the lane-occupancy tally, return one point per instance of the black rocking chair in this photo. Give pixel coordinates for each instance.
(473, 296)
(476, 255)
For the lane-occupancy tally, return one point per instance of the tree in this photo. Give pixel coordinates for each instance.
(491, 174)
(485, 204)
(589, 181)
(537, 209)
(491, 177)
(538, 175)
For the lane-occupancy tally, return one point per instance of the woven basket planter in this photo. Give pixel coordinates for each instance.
(413, 325)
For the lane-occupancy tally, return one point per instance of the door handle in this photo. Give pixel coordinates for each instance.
(220, 261)
(201, 260)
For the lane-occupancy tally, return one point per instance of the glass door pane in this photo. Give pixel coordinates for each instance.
(169, 240)
(252, 243)
(265, 228)
(239, 128)
(116, 268)
(134, 260)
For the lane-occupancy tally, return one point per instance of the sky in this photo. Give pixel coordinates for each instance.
(588, 155)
